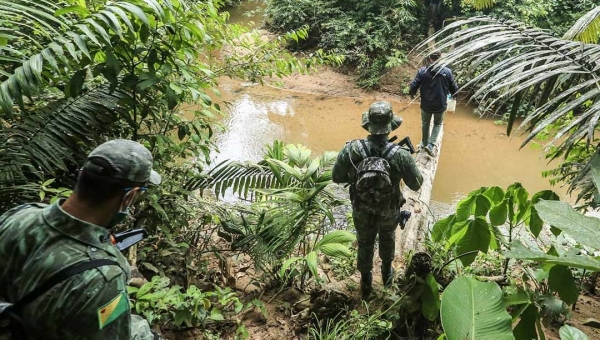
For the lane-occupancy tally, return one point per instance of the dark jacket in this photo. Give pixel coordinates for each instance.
(435, 84)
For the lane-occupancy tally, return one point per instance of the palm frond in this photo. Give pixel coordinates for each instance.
(72, 41)
(241, 177)
(57, 137)
(557, 75)
(248, 180)
(587, 28)
(483, 4)
(13, 195)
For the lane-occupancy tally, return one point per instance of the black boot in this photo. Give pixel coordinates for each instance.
(366, 285)
(387, 274)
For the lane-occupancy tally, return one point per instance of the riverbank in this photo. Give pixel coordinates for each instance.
(328, 82)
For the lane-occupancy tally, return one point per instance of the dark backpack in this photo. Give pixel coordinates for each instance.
(372, 190)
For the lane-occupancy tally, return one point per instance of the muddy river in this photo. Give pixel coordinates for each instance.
(475, 152)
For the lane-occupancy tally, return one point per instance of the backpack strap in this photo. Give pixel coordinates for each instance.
(363, 146)
(390, 151)
(58, 278)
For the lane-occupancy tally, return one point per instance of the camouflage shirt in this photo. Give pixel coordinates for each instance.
(36, 242)
(402, 167)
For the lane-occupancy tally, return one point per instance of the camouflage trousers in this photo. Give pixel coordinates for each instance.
(367, 227)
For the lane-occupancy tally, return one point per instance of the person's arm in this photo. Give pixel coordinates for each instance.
(340, 173)
(98, 309)
(453, 86)
(416, 83)
(411, 174)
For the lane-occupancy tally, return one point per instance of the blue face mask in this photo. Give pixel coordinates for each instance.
(118, 218)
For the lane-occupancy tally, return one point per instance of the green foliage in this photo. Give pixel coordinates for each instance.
(499, 214)
(354, 326)
(474, 310)
(174, 307)
(567, 332)
(54, 193)
(430, 298)
(584, 229)
(368, 34)
(554, 15)
(587, 28)
(332, 245)
(291, 206)
(482, 216)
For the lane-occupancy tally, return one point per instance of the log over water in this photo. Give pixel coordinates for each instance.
(413, 236)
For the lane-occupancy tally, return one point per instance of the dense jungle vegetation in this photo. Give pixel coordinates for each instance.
(375, 36)
(508, 264)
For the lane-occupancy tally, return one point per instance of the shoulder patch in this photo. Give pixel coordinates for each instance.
(112, 310)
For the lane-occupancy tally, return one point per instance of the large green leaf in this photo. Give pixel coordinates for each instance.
(535, 222)
(338, 236)
(525, 329)
(561, 281)
(477, 237)
(498, 213)
(519, 251)
(482, 205)
(567, 332)
(441, 228)
(430, 298)
(495, 194)
(584, 229)
(335, 250)
(464, 208)
(311, 263)
(587, 28)
(473, 310)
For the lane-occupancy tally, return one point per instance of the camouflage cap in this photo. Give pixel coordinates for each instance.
(380, 119)
(129, 161)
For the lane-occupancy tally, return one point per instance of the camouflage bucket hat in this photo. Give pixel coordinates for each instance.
(129, 160)
(380, 119)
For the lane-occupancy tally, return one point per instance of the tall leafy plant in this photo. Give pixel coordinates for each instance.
(291, 210)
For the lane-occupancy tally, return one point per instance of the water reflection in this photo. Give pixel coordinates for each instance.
(248, 129)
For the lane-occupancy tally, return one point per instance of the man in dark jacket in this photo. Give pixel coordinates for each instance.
(436, 84)
(372, 218)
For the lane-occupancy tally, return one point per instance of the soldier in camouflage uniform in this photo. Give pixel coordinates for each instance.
(379, 121)
(38, 240)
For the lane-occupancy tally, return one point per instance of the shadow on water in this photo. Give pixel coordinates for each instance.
(475, 152)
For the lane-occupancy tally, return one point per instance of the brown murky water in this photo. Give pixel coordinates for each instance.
(475, 152)
(249, 13)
